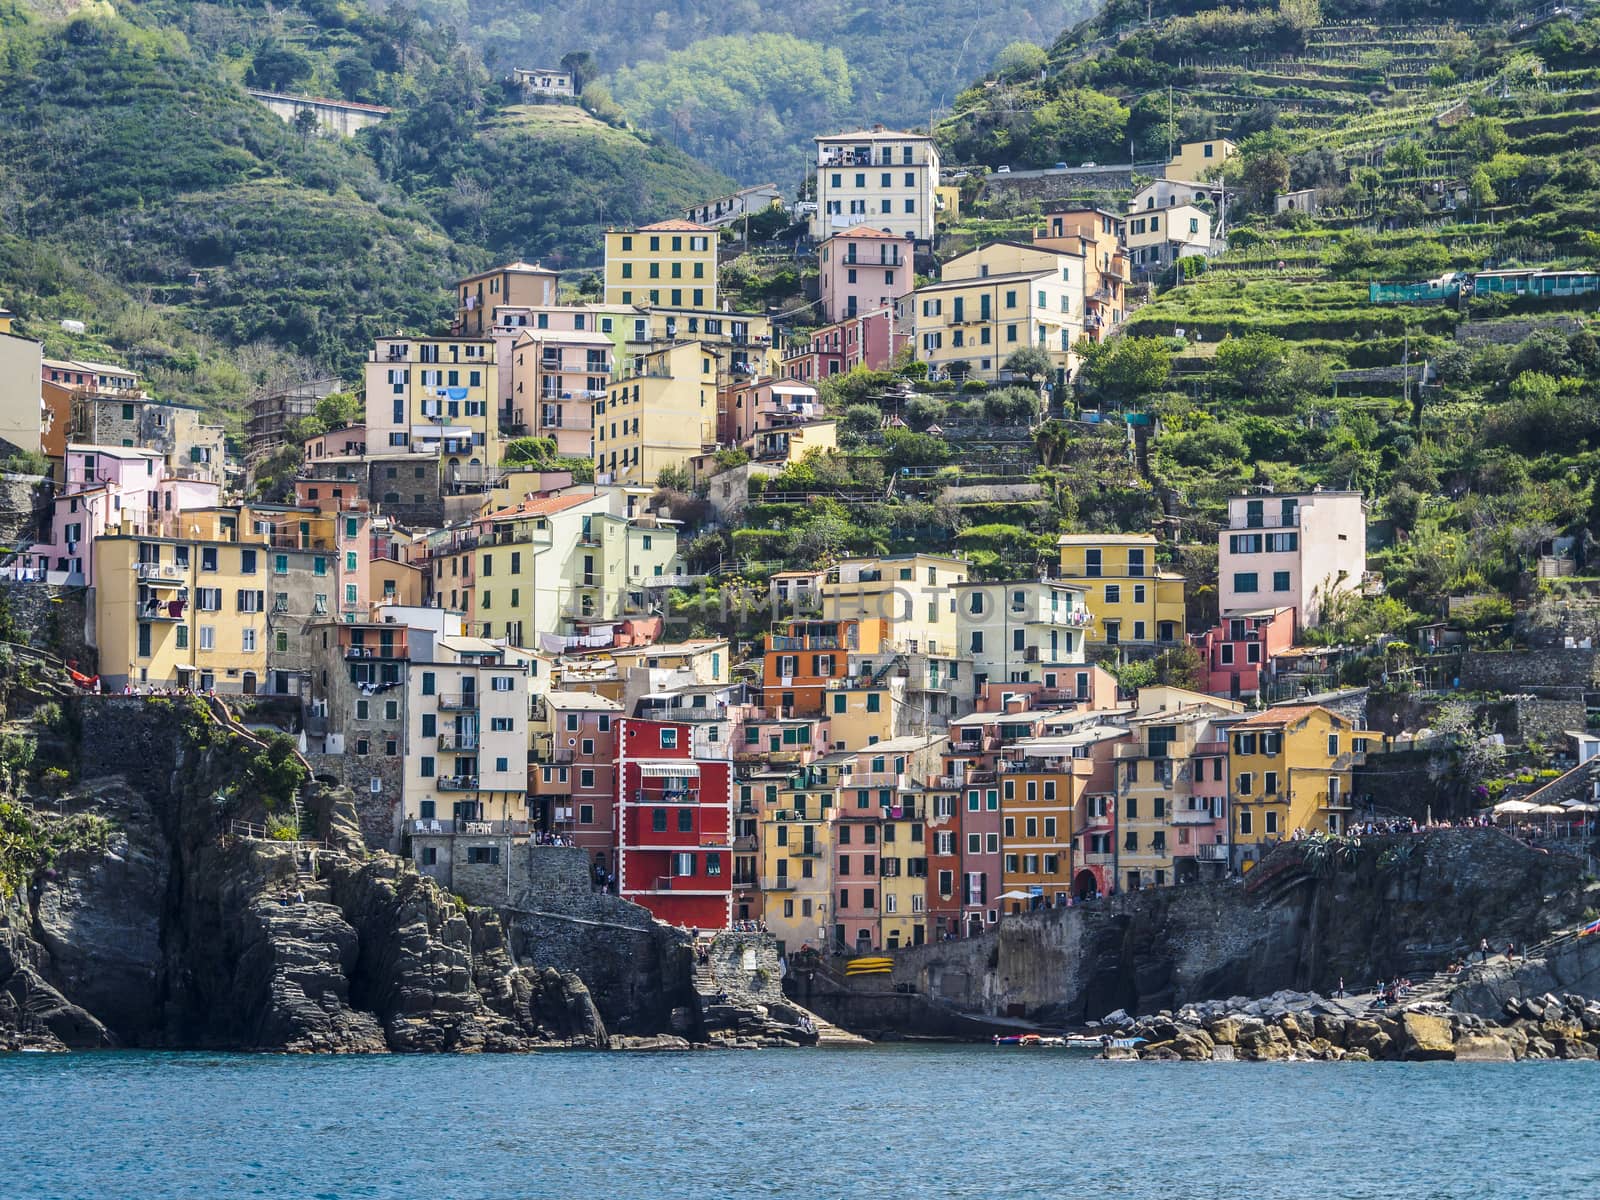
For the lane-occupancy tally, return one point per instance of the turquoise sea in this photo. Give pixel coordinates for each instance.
(895, 1121)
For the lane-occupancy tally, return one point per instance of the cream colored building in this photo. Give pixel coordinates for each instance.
(671, 262)
(1160, 237)
(915, 593)
(466, 751)
(982, 320)
(543, 562)
(880, 177)
(21, 404)
(1015, 631)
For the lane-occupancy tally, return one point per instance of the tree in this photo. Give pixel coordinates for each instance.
(275, 66)
(1407, 156)
(1181, 666)
(338, 409)
(1263, 177)
(1252, 362)
(1480, 138)
(1019, 60)
(1030, 362)
(356, 78)
(1125, 368)
(306, 123)
(581, 66)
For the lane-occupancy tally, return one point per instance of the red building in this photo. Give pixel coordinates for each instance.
(1238, 653)
(675, 825)
(870, 340)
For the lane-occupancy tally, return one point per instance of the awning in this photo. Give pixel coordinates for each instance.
(683, 770)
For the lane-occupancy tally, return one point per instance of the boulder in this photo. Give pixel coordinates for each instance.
(1291, 1027)
(1224, 1030)
(1424, 1037)
(1194, 1046)
(1484, 1047)
(1330, 1028)
(1265, 1043)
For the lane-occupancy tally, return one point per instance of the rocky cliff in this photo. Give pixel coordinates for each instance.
(146, 904)
(1303, 920)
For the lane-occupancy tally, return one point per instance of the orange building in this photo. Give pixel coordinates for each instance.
(807, 654)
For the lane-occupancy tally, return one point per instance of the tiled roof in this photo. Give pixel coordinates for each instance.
(540, 506)
(865, 230)
(1283, 715)
(675, 225)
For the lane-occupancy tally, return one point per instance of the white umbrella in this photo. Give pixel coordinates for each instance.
(1515, 806)
(1016, 895)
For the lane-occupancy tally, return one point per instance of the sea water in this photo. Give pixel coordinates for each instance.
(891, 1121)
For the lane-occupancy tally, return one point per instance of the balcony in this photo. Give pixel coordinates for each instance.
(379, 651)
(1193, 816)
(174, 610)
(463, 702)
(458, 741)
(1337, 801)
(1212, 853)
(456, 783)
(805, 850)
(162, 571)
(684, 796)
(1264, 520)
(874, 779)
(1208, 748)
(447, 825)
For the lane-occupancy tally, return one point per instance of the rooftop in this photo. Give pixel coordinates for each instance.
(676, 225)
(581, 702)
(540, 506)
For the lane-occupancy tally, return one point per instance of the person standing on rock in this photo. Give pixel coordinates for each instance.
(1483, 950)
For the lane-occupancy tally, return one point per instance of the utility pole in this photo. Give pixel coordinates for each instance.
(1169, 118)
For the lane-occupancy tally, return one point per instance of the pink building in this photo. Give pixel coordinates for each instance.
(863, 270)
(1201, 839)
(1240, 650)
(573, 786)
(109, 489)
(870, 340)
(556, 375)
(339, 443)
(746, 409)
(511, 321)
(1294, 551)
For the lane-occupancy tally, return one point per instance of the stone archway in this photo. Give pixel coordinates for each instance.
(1084, 885)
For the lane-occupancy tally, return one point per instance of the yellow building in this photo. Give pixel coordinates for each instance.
(435, 397)
(947, 203)
(1290, 770)
(1200, 160)
(1036, 827)
(1132, 600)
(658, 414)
(188, 610)
(912, 592)
(671, 262)
(863, 713)
(796, 838)
(982, 321)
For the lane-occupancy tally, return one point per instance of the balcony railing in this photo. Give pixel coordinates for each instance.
(174, 611)
(676, 796)
(457, 825)
(458, 741)
(1265, 521)
(456, 783)
(874, 779)
(149, 570)
(1212, 853)
(463, 702)
(1192, 816)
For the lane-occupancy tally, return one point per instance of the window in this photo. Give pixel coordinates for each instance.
(425, 766)
(503, 683)
(669, 739)
(1113, 593)
(1245, 581)
(280, 642)
(248, 638)
(1246, 822)
(1272, 822)
(483, 855)
(1269, 783)
(585, 814)
(208, 637)
(658, 820)
(1246, 783)
(1280, 581)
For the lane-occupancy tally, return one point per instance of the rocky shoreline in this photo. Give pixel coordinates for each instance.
(1304, 1026)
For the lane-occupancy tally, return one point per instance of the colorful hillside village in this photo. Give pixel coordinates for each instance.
(489, 648)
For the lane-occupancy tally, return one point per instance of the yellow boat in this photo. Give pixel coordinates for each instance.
(869, 966)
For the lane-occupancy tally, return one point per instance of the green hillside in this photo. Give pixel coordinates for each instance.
(144, 192)
(744, 84)
(1432, 145)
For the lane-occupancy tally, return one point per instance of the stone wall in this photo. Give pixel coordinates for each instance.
(1531, 671)
(1287, 925)
(54, 617)
(746, 966)
(1071, 184)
